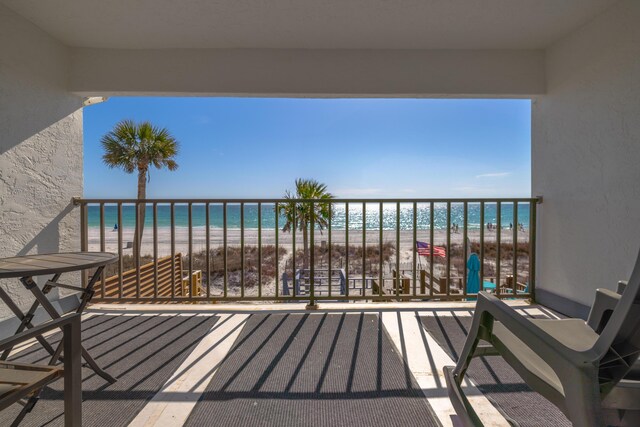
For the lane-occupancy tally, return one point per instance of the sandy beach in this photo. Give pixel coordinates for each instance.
(198, 239)
(216, 238)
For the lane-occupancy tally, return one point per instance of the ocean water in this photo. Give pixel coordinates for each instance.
(372, 216)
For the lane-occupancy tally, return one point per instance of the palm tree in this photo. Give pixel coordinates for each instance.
(300, 216)
(136, 147)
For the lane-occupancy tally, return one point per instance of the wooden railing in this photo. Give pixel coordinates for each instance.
(215, 250)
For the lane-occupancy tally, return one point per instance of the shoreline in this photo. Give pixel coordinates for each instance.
(109, 229)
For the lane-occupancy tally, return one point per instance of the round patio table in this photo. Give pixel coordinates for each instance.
(57, 263)
(29, 266)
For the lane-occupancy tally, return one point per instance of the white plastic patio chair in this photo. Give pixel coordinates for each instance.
(580, 369)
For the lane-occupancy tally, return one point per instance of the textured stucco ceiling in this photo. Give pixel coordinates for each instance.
(309, 24)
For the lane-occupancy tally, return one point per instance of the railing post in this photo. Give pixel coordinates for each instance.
(242, 261)
(514, 239)
(294, 225)
(190, 259)
(102, 248)
(84, 238)
(431, 226)
(381, 249)
(397, 276)
(414, 244)
(465, 249)
(285, 284)
(224, 248)
(533, 205)
(277, 245)
(448, 254)
(155, 250)
(312, 288)
(499, 247)
(120, 262)
(137, 247)
(482, 225)
(346, 245)
(364, 248)
(208, 249)
(329, 264)
(259, 250)
(174, 271)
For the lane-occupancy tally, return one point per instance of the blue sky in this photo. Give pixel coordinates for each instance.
(257, 147)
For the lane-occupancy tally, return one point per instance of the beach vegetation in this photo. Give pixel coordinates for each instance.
(339, 256)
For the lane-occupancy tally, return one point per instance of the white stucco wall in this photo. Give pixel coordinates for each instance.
(586, 157)
(40, 146)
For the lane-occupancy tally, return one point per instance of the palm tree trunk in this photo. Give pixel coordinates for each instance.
(142, 194)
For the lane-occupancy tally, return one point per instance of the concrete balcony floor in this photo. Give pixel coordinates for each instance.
(279, 364)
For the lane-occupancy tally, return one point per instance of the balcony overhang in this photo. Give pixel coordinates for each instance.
(309, 24)
(311, 49)
(308, 73)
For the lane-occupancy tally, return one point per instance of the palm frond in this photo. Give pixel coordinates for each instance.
(301, 215)
(132, 147)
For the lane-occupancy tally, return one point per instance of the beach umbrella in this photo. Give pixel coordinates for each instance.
(473, 275)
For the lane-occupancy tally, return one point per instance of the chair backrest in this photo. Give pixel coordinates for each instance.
(619, 342)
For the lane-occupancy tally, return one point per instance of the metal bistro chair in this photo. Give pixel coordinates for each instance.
(585, 371)
(20, 380)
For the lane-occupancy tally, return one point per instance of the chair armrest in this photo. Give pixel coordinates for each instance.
(39, 330)
(606, 301)
(539, 341)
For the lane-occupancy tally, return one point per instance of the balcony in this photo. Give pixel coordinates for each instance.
(204, 318)
(226, 335)
(390, 283)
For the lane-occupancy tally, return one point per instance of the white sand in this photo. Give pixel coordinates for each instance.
(181, 242)
(268, 238)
